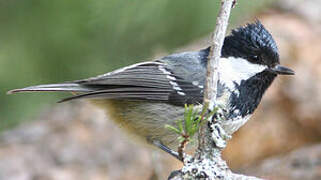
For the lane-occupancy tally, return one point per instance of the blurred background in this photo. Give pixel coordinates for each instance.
(55, 41)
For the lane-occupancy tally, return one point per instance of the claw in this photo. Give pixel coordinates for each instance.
(220, 137)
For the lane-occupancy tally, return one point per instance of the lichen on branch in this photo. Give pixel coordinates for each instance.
(207, 162)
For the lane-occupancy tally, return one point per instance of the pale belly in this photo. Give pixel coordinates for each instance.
(144, 121)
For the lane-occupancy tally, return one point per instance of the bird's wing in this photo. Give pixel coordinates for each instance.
(176, 79)
(151, 81)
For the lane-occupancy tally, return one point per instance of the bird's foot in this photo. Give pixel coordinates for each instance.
(219, 135)
(161, 146)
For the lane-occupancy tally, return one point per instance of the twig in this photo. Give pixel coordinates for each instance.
(207, 162)
(182, 146)
(205, 140)
(215, 53)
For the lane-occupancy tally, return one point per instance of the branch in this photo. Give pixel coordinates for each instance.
(212, 68)
(207, 162)
(215, 53)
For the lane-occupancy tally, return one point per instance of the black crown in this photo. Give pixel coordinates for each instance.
(252, 42)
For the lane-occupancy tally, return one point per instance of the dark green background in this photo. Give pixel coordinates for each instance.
(47, 41)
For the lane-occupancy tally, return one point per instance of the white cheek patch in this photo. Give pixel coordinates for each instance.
(234, 70)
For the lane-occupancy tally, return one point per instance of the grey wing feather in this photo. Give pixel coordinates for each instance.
(142, 81)
(167, 80)
(138, 93)
(145, 74)
(68, 87)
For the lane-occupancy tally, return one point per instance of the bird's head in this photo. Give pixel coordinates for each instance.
(256, 45)
(249, 64)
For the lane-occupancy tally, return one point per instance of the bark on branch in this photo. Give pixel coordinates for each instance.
(207, 162)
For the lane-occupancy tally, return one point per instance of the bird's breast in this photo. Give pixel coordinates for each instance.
(144, 120)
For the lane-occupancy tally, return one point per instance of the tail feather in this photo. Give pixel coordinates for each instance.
(65, 87)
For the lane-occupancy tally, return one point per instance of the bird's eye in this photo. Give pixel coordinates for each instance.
(255, 58)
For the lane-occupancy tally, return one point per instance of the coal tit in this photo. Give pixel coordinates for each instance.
(144, 97)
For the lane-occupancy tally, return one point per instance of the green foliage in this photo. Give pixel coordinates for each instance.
(54, 41)
(194, 117)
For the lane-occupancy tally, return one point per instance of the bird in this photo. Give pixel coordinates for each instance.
(144, 97)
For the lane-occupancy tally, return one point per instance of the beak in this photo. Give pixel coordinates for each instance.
(282, 70)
